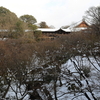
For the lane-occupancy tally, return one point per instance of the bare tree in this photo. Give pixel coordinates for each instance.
(84, 58)
(93, 17)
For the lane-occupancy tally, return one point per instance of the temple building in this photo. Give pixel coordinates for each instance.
(79, 26)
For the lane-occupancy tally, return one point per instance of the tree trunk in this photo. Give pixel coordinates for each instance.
(55, 91)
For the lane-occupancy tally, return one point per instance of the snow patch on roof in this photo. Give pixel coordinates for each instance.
(47, 29)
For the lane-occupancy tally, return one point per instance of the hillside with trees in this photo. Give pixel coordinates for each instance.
(13, 27)
(7, 18)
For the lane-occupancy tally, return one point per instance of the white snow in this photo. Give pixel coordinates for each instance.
(62, 92)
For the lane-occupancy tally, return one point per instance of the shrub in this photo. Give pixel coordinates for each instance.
(86, 70)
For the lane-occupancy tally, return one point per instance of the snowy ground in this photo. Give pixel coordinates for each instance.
(94, 79)
(62, 92)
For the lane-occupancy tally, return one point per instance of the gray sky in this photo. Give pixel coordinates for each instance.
(54, 12)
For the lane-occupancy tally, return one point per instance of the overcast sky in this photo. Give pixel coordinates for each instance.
(54, 12)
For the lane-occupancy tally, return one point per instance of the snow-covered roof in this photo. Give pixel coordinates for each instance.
(4, 30)
(76, 27)
(66, 30)
(52, 30)
(47, 29)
